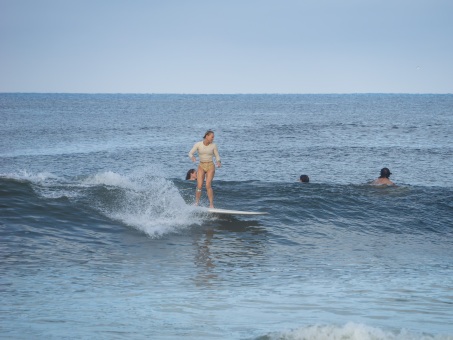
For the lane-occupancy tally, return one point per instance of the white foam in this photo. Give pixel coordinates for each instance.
(351, 331)
(45, 184)
(148, 203)
(110, 178)
(26, 176)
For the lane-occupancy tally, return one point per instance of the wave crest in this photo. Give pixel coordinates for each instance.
(350, 331)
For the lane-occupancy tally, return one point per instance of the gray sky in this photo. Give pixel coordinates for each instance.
(229, 46)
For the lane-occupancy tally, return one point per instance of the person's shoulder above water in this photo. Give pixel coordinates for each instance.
(304, 179)
(383, 179)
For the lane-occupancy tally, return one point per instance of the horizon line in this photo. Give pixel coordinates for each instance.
(238, 93)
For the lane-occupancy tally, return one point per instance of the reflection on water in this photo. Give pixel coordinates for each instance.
(203, 260)
(228, 245)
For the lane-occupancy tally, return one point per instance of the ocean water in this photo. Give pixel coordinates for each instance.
(99, 238)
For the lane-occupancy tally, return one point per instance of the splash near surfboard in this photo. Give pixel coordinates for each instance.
(231, 212)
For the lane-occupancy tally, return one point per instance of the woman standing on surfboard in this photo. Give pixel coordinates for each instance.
(206, 150)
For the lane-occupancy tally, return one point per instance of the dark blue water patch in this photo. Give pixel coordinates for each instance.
(36, 228)
(357, 208)
(365, 209)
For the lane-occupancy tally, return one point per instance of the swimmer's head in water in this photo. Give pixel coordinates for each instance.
(304, 178)
(385, 173)
(189, 173)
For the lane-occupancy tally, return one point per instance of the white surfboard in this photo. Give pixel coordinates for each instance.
(232, 212)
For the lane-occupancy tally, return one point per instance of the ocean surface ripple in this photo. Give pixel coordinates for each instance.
(99, 237)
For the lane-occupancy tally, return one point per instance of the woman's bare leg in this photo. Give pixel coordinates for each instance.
(210, 192)
(200, 180)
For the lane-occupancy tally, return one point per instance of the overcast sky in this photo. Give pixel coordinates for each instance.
(229, 46)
